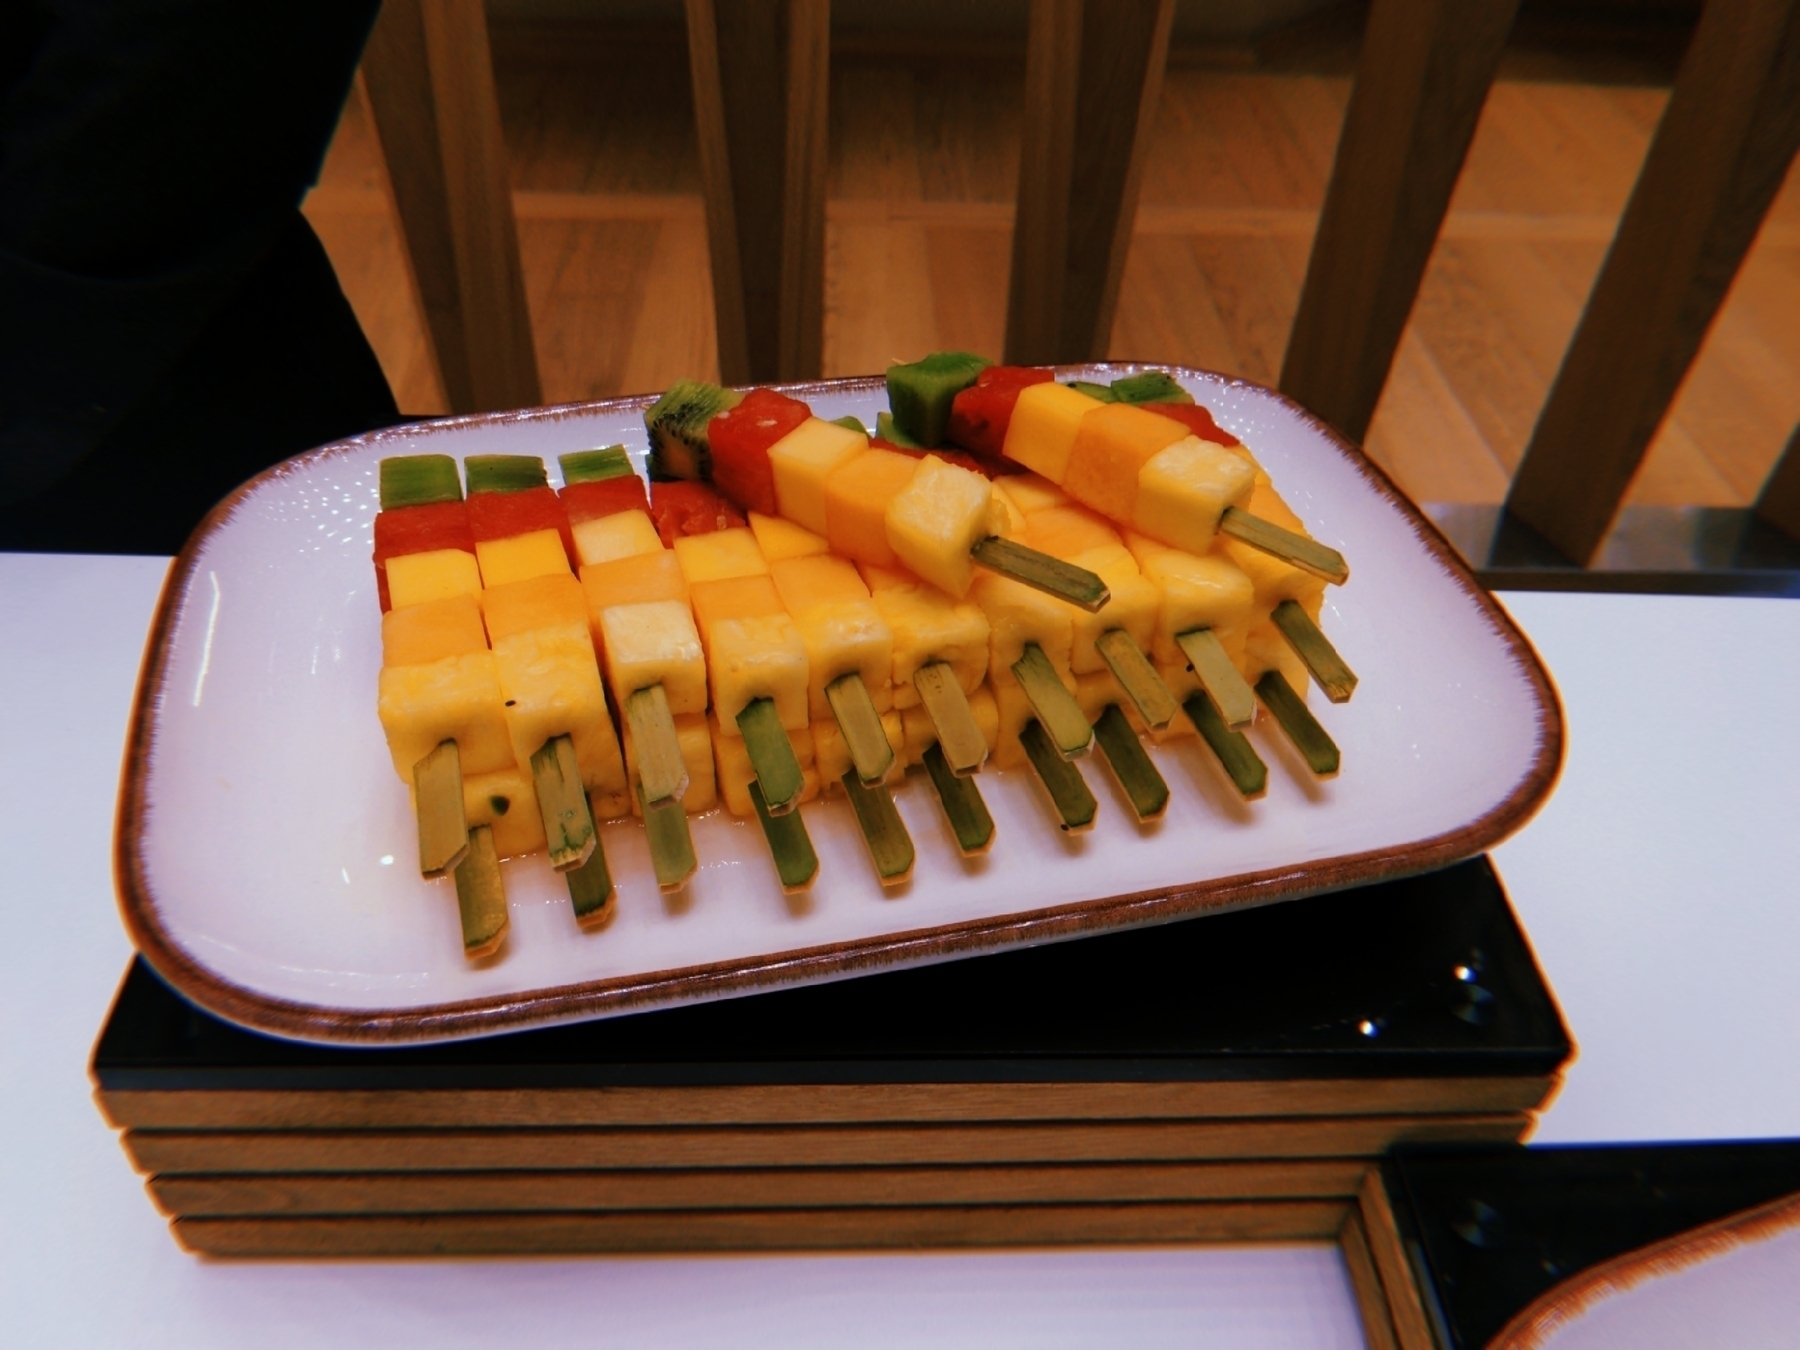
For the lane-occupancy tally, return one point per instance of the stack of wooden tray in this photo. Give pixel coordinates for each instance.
(1230, 1077)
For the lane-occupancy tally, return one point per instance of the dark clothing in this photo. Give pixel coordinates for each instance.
(168, 323)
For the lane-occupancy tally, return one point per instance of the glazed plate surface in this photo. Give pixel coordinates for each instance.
(266, 850)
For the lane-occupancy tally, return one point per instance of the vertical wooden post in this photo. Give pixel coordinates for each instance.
(1421, 80)
(1779, 501)
(761, 75)
(430, 81)
(1093, 76)
(1719, 155)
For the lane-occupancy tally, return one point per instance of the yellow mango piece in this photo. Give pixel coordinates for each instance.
(1183, 490)
(1096, 689)
(831, 752)
(1204, 591)
(802, 462)
(942, 513)
(1134, 606)
(735, 774)
(654, 643)
(753, 649)
(719, 556)
(1012, 711)
(778, 538)
(1016, 615)
(927, 625)
(1041, 434)
(841, 628)
(457, 698)
(1112, 445)
(856, 499)
(1031, 492)
(623, 534)
(506, 802)
(552, 688)
(437, 574)
(540, 602)
(417, 634)
(538, 553)
(695, 739)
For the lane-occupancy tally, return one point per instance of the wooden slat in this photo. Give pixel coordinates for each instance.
(430, 84)
(760, 71)
(764, 1230)
(1406, 1312)
(1365, 1279)
(810, 1104)
(1720, 153)
(1423, 75)
(784, 1146)
(1093, 75)
(271, 1194)
(1779, 501)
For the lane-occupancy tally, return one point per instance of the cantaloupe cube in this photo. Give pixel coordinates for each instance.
(1205, 591)
(552, 688)
(654, 643)
(457, 698)
(623, 534)
(942, 513)
(549, 601)
(802, 462)
(1183, 490)
(1112, 445)
(506, 802)
(735, 773)
(692, 734)
(719, 556)
(1031, 492)
(537, 553)
(926, 626)
(840, 626)
(753, 649)
(921, 732)
(436, 574)
(1041, 434)
(856, 500)
(778, 538)
(414, 635)
(831, 753)
(643, 580)
(1273, 579)
(1016, 615)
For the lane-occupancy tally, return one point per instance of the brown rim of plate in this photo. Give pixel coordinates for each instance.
(577, 1002)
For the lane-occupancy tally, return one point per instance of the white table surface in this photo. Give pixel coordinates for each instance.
(1658, 887)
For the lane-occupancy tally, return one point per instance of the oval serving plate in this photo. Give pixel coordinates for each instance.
(265, 846)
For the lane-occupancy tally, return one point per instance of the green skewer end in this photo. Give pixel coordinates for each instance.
(789, 845)
(1313, 648)
(1312, 740)
(771, 755)
(864, 736)
(1041, 572)
(1213, 668)
(890, 846)
(1131, 764)
(964, 748)
(662, 772)
(569, 829)
(962, 803)
(591, 890)
(671, 844)
(1069, 795)
(481, 896)
(1236, 755)
(1056, 708)
(438, 805)
(1309, 555)
(1138, 678)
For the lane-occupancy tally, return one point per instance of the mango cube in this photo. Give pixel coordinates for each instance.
(942, 513)
(1045, 420)
(753, 650)
(692, 734)
(856, 500)
(720, 555)
(1183, 490)
(1112, 445)
(436, 574)
(416, 635)
(802, 462)
(926, 626)
(457, 698)
(654, 643)
(623, 534)
(841, 628)
(1031, 492)
(537, 553)
(778, 538)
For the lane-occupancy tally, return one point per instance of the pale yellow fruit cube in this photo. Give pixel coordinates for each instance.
(735, 773)
(437, 574)
(1030, 492)
(1182, 492)
(623, 534)
(938, 517)
(927, 626)
(455, 699)
(1266, 649)
(1012, 710)
(1274, 579)
(801, 462)
(506, 802)
(842, 630)
(654, 643)
(831, 753)
(1041, 434)
(1133, 608)
(780, 538)
(552, 687)
(757, 657)
(692, 734)
(720, 556)
(1018, 615)
(538, 553)
(1204, 591)
(1096, 689)
(921, 732)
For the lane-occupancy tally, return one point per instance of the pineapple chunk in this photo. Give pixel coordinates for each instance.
(719, 556)
(1113, 444)
(1016, 615)
(456, 699)
(552, 688)
(938, 517)
(831, 753)
(841, 628)
(436, 574)
(536, 553)
(928, 626)
(623, 534)
(1207, 591)
(1041, 434)
(654, 643)
(418, 634)
(735, 773)
(506, 802)
(1183, 490)
(803, 460)
(778, 538)
(696, 753)
(752, 650)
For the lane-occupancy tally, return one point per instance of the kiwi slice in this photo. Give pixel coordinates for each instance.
(677, 426)
(850, 423)
(921, 392)
(886, 428)
(419, 480)
(1150, 386)
(504, 473)
(1103, 392)
(595, 466)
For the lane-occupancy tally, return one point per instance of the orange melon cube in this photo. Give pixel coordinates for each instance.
(1112, 444)
(856, 500)
(541, 602)
(719, 556)
(416, 634)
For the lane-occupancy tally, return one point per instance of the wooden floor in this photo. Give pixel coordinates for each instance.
(923, 164)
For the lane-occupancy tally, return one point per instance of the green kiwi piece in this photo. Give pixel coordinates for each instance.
(850, 423)
(920, 392)
(889, 431)
(1103, 392)
(595, 466)
(677, 426)
(504, 473)
(419, 480)
(1150, 386)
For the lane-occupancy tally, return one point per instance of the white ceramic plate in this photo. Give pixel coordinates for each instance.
(264, 842)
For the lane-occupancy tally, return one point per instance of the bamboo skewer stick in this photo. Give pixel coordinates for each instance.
(481, 896)
(1125, 756)
(1138, 678)
(672, 856)
(1069, 795)
(1235, 753)
(1067, 728)
(771, 755)
(864, 736)
(591, 890)
(569, 830)
(962, 803)
(1213, 668)
(1053, 576)
(789, 845)
(1313, 648)
(963, 747)
(662, 771)
(1309, 555)
(1312, 740)
(890, 846)
(438, 793)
